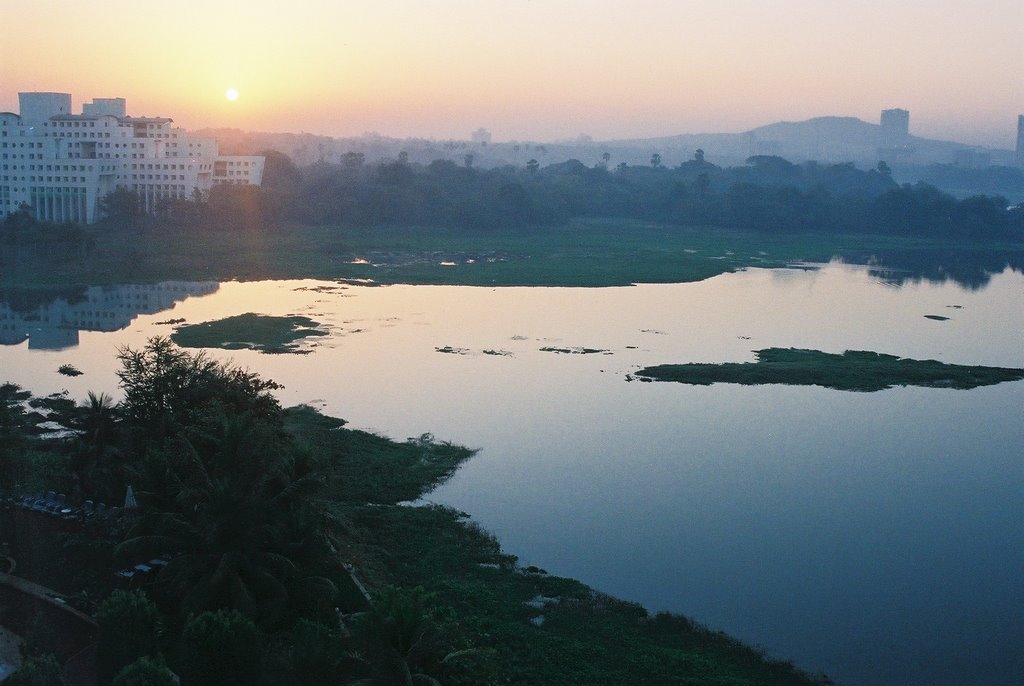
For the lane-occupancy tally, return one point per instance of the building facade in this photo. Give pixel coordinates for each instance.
(895, 126)
(61, 164)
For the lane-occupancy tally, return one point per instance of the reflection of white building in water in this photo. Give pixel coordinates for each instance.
(61, 164)
(55, 326)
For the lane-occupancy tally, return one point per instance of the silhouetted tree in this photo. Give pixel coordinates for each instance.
(130, 625)
(352, 160)
(38, 670)
(121, 207)
(222, 648)
(146, 671)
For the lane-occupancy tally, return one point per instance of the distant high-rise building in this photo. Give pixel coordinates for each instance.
(895, 125)
(60, 165)
(1020, 140)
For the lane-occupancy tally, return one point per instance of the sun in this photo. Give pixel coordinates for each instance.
(231, 94)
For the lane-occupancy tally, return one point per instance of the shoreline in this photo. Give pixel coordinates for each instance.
(582, 253)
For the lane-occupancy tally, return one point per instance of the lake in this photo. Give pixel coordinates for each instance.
(878, 537)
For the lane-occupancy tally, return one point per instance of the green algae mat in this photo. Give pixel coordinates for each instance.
(250, 332)
(853, 370)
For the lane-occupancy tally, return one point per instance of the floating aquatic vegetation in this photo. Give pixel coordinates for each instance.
(452, 351)
(250, 331)
(575, 351)
(853, 370)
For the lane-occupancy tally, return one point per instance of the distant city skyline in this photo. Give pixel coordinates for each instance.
(539, 70)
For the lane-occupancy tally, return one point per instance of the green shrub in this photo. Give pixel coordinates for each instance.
(146, 671)
(40, 670)
(221, 648)
(130, 627)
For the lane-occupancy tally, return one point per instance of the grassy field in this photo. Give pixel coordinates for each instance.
(582, 253)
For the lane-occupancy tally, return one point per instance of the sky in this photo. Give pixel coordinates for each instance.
(528, 70)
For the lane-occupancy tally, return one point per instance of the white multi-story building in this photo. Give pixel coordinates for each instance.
(61, 164)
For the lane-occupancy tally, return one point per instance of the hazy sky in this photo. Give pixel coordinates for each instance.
(528, 69)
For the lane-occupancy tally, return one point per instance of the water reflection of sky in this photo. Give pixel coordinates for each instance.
(878, 537)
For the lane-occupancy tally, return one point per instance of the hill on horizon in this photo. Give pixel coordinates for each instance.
(829, 138)
(826, 139)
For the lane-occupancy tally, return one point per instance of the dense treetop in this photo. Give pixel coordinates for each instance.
(767, 194)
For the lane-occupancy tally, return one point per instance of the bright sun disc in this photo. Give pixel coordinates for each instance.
(231, 94)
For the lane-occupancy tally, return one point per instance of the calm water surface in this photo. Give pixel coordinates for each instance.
(878, 537)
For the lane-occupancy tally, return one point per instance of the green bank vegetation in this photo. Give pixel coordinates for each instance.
(581, 253)
(853, 370)
(272, 522)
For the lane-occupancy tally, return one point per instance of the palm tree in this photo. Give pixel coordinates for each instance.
(222, 488)
(13, 425)
(95, 457)
(405, 640)
(237, 514)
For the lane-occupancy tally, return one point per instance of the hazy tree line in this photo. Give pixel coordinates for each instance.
(967, 180)
(767, 194)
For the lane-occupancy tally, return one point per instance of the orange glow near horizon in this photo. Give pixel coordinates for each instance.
(529, 70)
